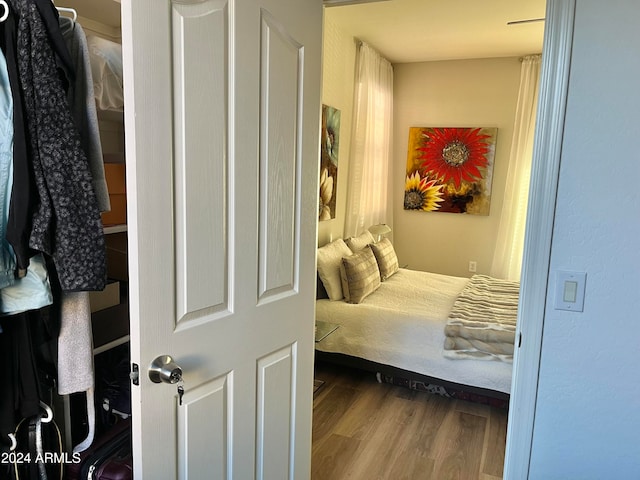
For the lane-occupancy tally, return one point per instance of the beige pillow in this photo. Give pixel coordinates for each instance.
(329, 258)
(386, 258)
(360, 275)
(358, 243)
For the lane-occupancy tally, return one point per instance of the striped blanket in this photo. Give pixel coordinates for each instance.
(482, 322)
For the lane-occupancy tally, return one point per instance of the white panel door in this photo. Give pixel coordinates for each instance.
(222, 123)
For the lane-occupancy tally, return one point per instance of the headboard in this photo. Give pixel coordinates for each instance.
(321, 292)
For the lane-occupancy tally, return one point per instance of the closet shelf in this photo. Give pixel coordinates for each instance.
(115, 229)
(108, 346)
(110, 326)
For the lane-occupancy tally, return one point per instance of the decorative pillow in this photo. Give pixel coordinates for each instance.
(358, 243)
(329, 259)
(360, 275)
(386, 257)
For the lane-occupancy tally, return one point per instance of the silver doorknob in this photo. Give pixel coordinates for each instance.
(164, 370)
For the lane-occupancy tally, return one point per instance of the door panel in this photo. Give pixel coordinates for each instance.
(276, 384)
(279, 158)
(204, 423)
(222, 122)
(200, 133)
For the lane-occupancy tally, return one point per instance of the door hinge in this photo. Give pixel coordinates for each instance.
(134, 375)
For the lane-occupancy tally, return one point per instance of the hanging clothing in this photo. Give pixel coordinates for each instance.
(66, 221)
(27, 366)
(7, 258)
(75, 356)
(21, 206)
(75, 343)
(23, 198)
(52, 188)
(50, 19)
(83, 106)
(31, 292)
(106, 70)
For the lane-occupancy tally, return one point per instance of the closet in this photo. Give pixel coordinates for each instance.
(81, 415)
(100, 22)
(110, 308)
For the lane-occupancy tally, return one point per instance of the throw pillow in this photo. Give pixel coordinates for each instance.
(358, 243)
(329, 258)
(360, 275)
(386, 258)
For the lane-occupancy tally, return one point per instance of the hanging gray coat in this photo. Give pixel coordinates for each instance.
(66, 219)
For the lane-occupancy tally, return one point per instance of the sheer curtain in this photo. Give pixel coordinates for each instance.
(507, 256)
(369, 164)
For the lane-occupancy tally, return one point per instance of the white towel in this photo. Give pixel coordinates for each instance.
(75, 354)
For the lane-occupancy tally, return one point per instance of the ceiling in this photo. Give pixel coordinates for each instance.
(407, 31)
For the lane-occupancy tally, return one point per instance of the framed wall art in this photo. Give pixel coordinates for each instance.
(329, 147)
(450, 169)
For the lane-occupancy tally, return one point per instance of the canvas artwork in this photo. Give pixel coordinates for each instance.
(329, 145)
(450, 169)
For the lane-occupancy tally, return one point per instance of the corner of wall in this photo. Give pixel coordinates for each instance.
(463, 93)
(338, 67)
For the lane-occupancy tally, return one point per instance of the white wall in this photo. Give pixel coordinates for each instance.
(461, 93)
(587, 423)
(338, 65)
(454, 93)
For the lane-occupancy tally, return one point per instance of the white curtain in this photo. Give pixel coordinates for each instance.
(507, 257)
(369, 163)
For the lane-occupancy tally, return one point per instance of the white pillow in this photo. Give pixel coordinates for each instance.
(358, 243)
(329, 259)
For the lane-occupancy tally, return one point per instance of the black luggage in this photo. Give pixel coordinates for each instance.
(111, 448)
(118, 467)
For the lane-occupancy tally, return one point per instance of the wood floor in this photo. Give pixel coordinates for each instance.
(364, 430)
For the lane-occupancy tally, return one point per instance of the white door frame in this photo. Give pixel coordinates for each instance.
(556, 57)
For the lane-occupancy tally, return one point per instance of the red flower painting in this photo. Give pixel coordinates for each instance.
(459, 160)
(454, 154)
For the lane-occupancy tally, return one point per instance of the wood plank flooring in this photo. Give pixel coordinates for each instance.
(364, 430)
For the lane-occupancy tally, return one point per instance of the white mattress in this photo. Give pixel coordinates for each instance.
(402, 324)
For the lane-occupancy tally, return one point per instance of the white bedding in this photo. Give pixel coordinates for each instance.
(402, 324)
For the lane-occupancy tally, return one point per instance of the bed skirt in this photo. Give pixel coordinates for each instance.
(417, 381)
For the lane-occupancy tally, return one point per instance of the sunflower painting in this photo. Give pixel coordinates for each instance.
(330, 141)
(450, 169)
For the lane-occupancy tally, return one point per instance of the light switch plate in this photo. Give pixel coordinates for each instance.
(570, 287)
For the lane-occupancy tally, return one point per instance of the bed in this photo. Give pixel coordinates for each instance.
(416, 325)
